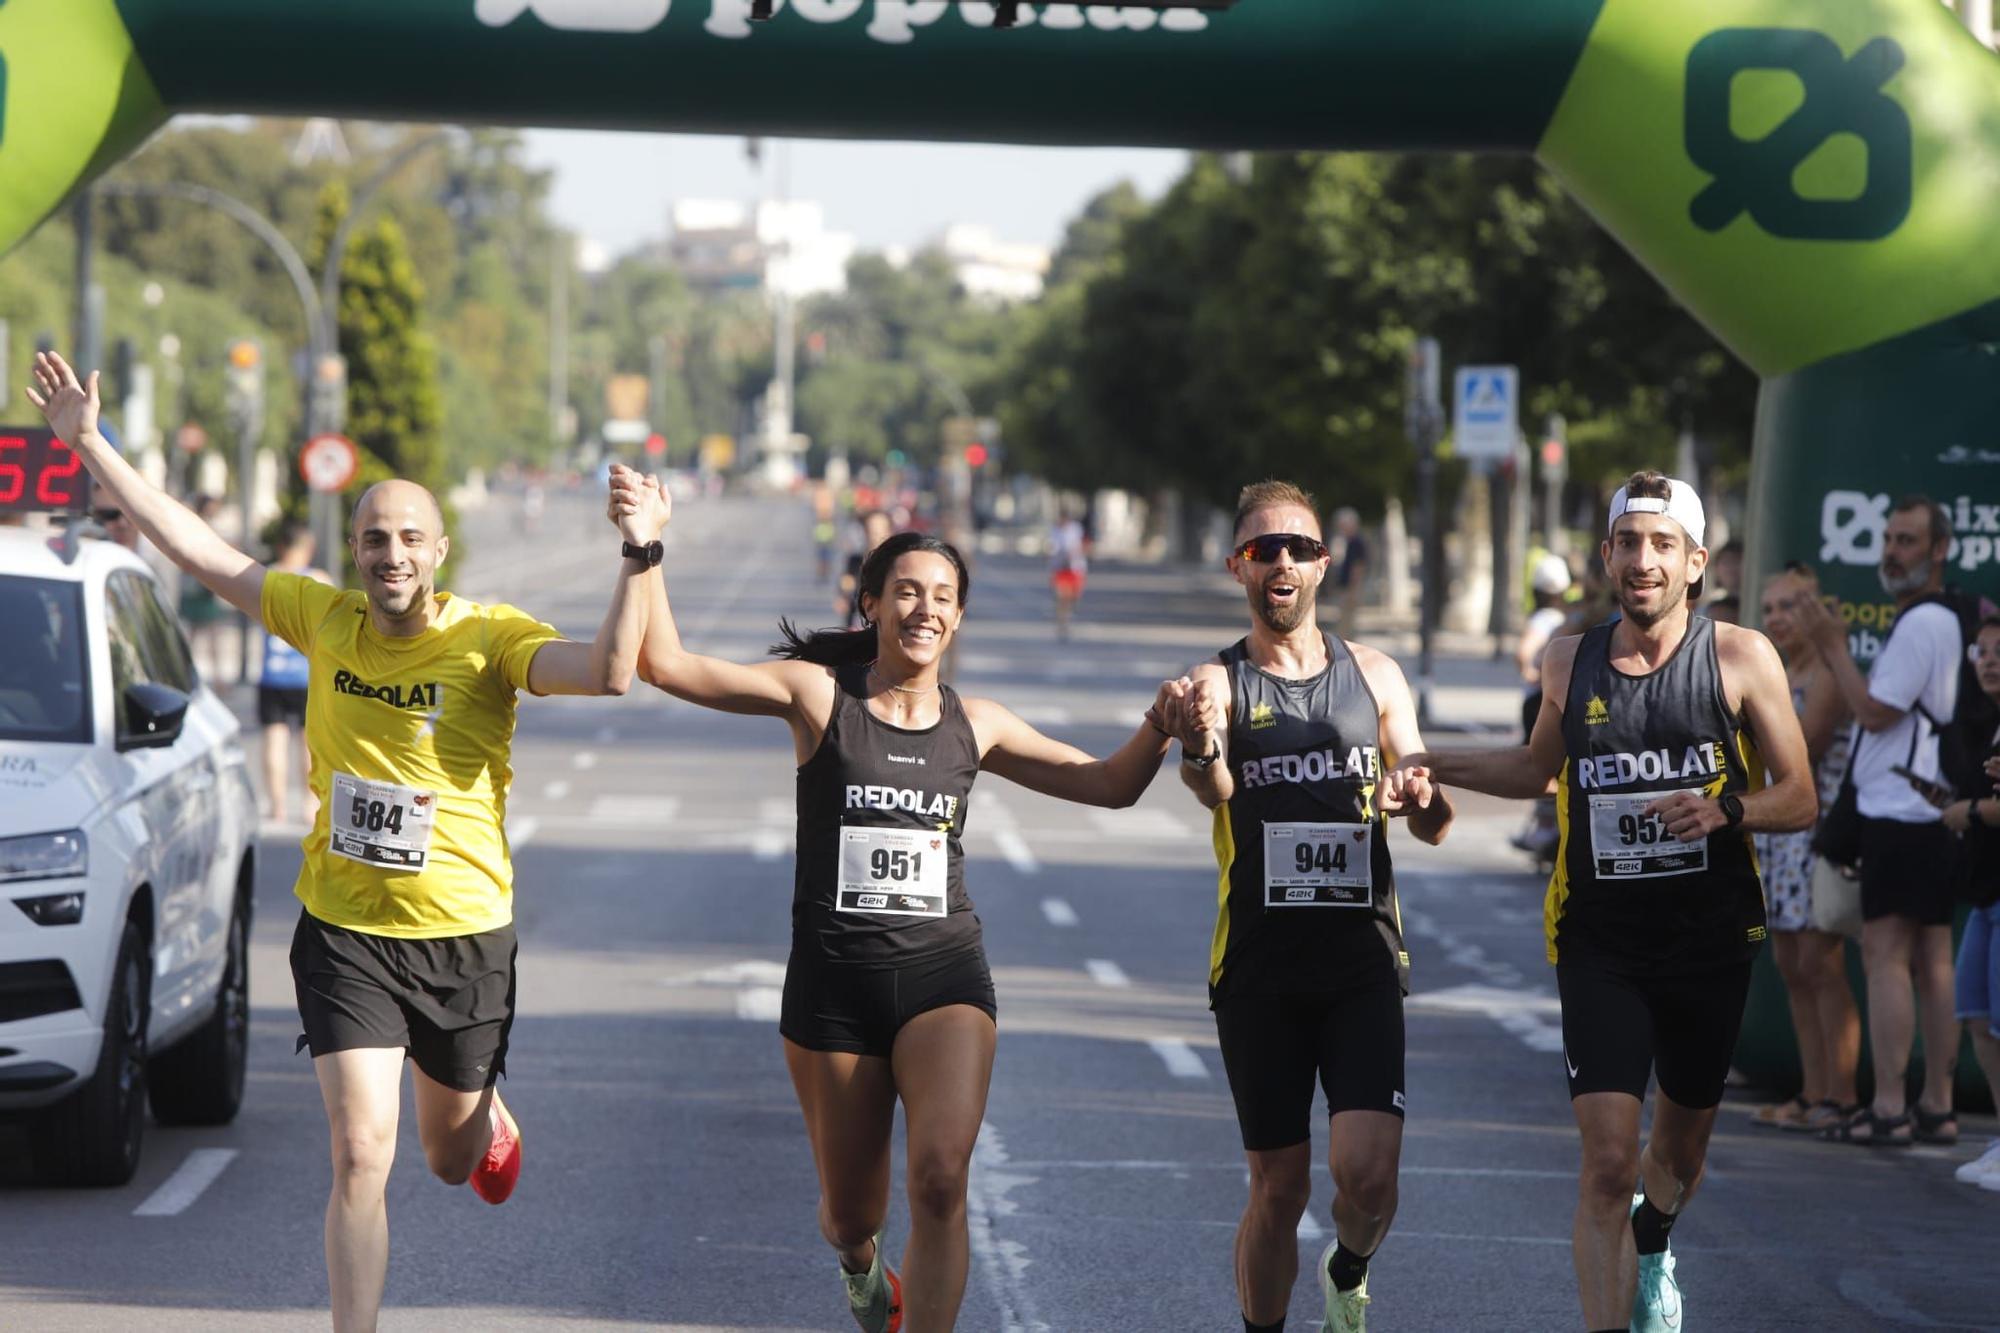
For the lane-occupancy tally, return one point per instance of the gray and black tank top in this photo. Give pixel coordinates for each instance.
(880, 877)
(1623, 892)
(1306, 895)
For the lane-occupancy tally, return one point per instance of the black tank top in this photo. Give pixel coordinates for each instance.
(880, 877)
(1307, 895)
(1624, 893)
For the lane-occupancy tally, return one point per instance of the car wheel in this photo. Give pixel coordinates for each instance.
(93, 1136)
(200, 1080)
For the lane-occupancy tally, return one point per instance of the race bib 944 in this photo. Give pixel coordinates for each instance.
(1318, 865)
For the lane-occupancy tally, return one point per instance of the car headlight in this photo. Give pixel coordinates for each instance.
(44, 856)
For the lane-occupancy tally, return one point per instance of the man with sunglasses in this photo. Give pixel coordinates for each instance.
(1671, 738)
(405, 944)
(1284, 735)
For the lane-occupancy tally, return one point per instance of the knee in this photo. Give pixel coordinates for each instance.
(846, 1226)
(1281, 1196)
(450, 1162)
(937, 1184)
(362, 1155)
(1608, 1177)
(1370, 1187)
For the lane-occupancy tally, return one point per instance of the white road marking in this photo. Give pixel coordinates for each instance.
(1147, 825)
(1179, 1057)
(1319, 1168)
(1002, 1264)
(1310, 1231)
(759, 1004)
(186, 1184)
(1044, 715)
(1058, 912)
(521, 829)
(584, 759)
(769, 844)
(1532, 1015)
(638, 811)
(1105, 972)
(749, 972)
(1015, 848)
(775, 811)
(555, 791)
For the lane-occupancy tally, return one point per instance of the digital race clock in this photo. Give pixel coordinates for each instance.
(40, 472)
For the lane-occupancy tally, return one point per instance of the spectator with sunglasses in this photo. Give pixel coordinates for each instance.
(1286, 735)
(887, 992)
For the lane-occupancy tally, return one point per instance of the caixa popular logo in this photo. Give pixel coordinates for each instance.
(1843, 99)
(890, 21)
(1851, 525)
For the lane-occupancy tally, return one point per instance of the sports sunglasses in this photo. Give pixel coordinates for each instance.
(1265, 549)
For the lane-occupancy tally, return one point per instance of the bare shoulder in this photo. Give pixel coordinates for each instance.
(1740, 648)
(1382, 671)
(1557, 663)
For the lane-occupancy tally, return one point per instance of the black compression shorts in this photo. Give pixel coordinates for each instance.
(835, 1006)
(448, 1002)
(1273, 1045)
(278, 706)
(1619, 1028)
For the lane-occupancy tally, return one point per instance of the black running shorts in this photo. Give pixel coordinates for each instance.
(835, 1006)
(1620, 1028)
(448, 1002)
(1273, 1045)
(278, 706)
(1908, 870)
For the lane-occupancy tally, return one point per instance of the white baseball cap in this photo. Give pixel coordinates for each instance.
(1551, 574)
(1682, 505)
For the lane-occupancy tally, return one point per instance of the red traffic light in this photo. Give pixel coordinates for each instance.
(975, 454)
(1552, 453)
(656, 444)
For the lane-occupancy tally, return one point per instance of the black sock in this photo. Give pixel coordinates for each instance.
(1650, 1227)
(1249, 1327)
(1346, 1268)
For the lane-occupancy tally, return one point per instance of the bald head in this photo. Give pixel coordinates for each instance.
(396, 504)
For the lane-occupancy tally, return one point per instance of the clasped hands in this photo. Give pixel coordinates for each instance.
(637, 505)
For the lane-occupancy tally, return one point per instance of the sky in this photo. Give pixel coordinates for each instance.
(615, 188)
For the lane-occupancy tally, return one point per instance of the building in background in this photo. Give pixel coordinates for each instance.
(990, 269)
(724, 245)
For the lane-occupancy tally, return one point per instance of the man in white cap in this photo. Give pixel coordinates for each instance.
(1671, 739)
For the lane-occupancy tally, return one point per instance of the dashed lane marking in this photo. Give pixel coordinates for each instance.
(1106, 973)
(555, 791)
(1015, 848)
(179, 1191)
(1058, 912)
(522, 829)
(1179, 1057)
(584, 760)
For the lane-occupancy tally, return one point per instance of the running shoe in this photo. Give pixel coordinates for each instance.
(1982, 1168)
(875, 1297)
(1656, 1306)
(1346, 1311)
(493, 1179)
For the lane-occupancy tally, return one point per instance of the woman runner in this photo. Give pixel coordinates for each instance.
(887, 993)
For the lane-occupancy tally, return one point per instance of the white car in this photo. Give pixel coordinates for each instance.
(127, 827)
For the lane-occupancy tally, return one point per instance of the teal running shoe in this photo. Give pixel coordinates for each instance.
(1346, 1311)
(875, 1297)
(1656, 1305)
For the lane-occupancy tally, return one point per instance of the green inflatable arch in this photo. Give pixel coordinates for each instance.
(1809, 177)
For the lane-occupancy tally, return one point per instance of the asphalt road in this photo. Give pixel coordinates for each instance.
(668, 1182)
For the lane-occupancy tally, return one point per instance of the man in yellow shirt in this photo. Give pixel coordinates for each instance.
(406, 941)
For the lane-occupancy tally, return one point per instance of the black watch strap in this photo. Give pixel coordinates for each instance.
(1732, 808)
(648, 555)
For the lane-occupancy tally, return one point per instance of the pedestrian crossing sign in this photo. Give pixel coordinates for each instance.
(1486, 403)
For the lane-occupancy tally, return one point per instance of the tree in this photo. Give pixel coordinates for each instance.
(392, 376)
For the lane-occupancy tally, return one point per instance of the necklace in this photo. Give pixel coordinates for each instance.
(901, 689)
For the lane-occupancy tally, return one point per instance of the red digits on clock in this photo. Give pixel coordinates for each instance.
(64, 465)
(13, 478)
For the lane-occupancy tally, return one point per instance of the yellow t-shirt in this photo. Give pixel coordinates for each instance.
(419, 730)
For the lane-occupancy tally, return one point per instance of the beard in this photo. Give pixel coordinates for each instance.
(401, 601)
(1912, 580)
(1672, 597)
(1285, 619)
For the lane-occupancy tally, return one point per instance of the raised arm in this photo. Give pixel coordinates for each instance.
(1430, 811)
(798, 691)
(1827, 634)
(1014, 750)
(71, 407)
(1200, 721)
(605, 664)
(1518, 772)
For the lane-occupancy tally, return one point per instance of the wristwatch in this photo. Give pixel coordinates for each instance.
(1201, 761)
(1732, 808)
(648, 555)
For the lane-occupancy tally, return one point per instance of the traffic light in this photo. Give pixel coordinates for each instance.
(123, 357)
(656, 445)
(975, 454)
(244, 385)
(1555, 446)
(329, 394)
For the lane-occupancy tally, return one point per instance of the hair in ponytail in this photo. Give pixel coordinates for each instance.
(856, 647)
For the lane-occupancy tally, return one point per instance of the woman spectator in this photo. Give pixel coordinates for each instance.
(1812, 961)
(1978, 989)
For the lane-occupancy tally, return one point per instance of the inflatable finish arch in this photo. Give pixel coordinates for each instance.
(1810, 177)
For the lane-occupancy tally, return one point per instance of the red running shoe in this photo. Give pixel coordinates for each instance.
(493, 1179)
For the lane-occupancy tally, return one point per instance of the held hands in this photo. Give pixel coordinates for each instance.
(1189, 712)
(638, 505)
(1689, 816)
(1408, 785)
(69, 406)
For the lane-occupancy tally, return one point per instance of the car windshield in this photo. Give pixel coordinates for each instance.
(43, 694)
